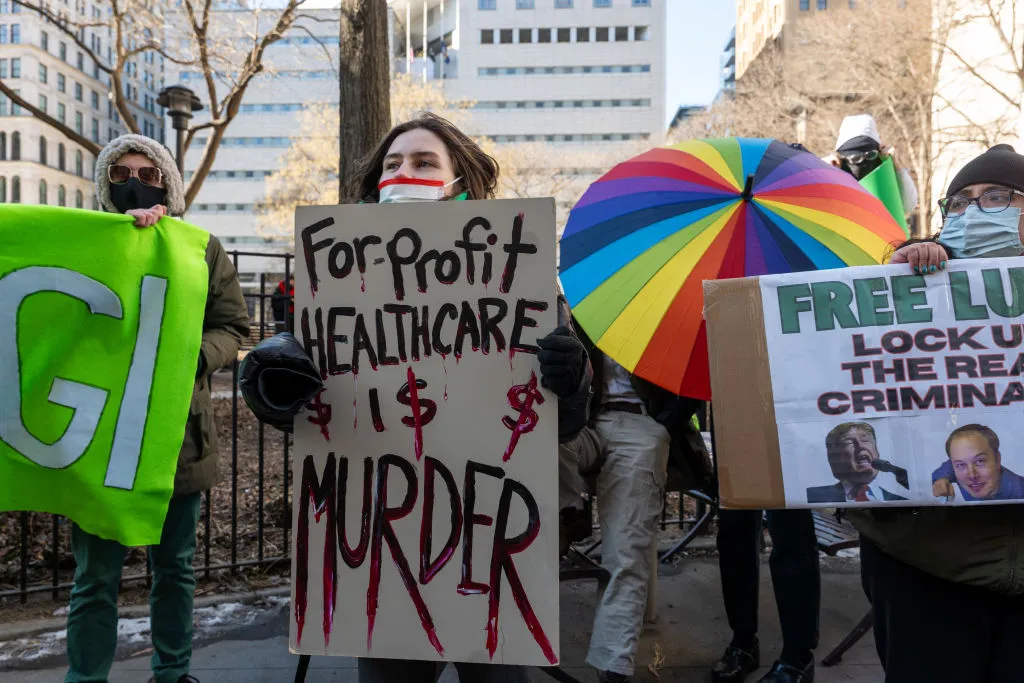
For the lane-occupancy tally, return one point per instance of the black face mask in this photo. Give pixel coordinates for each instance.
(135, 195)
(858, 171)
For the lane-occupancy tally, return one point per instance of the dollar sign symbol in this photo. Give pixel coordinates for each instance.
(423, 409)
(521, 397)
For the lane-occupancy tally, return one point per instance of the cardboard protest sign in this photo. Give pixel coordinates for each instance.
(426, 471)
(869, 386)
(100, 328)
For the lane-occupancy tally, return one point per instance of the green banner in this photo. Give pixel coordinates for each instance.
(885, 184)
(100, 328)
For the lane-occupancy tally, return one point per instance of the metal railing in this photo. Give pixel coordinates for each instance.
(234, 531)
(41, 560)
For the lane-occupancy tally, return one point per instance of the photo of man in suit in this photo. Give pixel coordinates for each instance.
(853, 456)
(974, 460)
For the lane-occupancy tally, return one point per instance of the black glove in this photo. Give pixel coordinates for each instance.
(278, 379)
(563, 360)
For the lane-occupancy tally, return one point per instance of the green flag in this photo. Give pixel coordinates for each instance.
(100, 327)
(885, 184)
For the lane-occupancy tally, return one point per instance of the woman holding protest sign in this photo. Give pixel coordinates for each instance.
(951, 580)
(425, 159)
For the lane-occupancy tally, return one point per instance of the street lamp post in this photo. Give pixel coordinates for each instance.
(179, 102)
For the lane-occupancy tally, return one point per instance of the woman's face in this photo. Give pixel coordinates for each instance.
(975, 191)
(421, 154)
(135, 161)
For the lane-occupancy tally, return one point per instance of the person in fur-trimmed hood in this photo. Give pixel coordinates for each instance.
(136, 176)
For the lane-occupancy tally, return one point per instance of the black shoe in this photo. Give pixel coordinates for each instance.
(736, 664)
(187, 678)
(612, 677)
(786, 673)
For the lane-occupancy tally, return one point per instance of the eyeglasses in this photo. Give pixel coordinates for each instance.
(147, 175)
(859, 157)
(992, 201)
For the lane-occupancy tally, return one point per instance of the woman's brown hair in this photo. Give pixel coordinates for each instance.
(477, 169)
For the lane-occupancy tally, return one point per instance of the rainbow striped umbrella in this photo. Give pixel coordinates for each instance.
(643, 238)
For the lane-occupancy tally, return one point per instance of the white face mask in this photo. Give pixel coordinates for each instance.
(400, 190)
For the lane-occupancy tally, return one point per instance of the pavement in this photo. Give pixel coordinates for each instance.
(688, 634)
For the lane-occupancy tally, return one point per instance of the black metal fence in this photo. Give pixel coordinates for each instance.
(246, 519)
(235, 531)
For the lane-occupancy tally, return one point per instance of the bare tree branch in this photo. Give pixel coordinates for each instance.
(85, 142)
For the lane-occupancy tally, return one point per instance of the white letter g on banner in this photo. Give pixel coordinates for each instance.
(85, 400)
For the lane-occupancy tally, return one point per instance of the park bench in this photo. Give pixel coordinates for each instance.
(835, 534)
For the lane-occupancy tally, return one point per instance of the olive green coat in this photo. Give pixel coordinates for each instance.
(225, 325)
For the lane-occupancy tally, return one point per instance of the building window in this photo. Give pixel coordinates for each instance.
(42, 151)
(78, 164)
(3, 189)
(95, 100)
(563, 4)
(524, 4)
(565, 35)
(42, 192)
(62, 199)
(3, 146)
(16, 67)
(602, 3)
(78, 199)
(80, 62)
(78, 91)
(507, 36)
(78, 122)
(642, 33)
(15, 33)
(582, 35)
(3, 68)
(43, 73)
(805, 5)
(621, 34)
(62, 51)
(526, 35)
(61, 157)
(543, 35)
(601, 34)
(62, 85)
(15, 146)
(96, 131)
(641, 3)
(487, 4)
(486, 36)
(62, 113)
(44, 41)
(822, 4)
(16, 190)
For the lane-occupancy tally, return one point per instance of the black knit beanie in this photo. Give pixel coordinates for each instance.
(1000, 165)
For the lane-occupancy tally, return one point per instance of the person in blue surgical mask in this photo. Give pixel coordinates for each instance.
(944, 579)
(981, 214)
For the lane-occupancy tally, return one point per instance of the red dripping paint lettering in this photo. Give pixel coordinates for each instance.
(323, 414)
(521, 397)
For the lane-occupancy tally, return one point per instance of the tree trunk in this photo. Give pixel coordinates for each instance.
(364, 102)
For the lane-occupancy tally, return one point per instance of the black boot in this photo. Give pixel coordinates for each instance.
(736, 664)
(787, 673)
(612, 677)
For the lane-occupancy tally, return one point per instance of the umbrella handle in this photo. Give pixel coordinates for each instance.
(748, 188)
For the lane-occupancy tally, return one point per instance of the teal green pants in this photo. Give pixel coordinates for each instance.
(92, 619)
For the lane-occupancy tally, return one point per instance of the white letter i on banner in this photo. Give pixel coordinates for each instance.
(131, 421)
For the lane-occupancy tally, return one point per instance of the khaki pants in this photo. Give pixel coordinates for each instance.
(634, 449)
